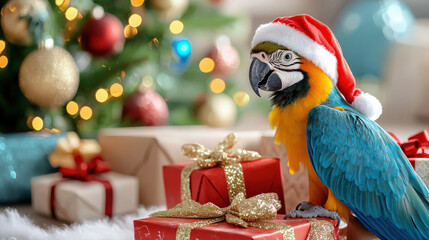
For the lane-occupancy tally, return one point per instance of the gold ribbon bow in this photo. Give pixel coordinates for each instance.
(223, 155)
(242, 212)
(62, 156)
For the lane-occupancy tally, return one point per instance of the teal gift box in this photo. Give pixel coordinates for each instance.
(23, 156)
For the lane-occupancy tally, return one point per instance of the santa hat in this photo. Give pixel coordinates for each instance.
(315, 41)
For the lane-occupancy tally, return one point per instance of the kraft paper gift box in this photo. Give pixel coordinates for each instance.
(142, 151)
(295, 187)
(76, 200)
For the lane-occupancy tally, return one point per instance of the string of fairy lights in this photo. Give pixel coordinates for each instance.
(102, 95)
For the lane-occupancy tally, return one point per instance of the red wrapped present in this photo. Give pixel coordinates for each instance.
(415, 150)
(161, 228)
(208, 181)
(244, 219)
(209, 185)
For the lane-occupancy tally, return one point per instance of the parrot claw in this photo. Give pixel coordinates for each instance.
(308, 210)
(304, 206)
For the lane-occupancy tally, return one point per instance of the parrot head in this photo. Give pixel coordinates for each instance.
(283, 72)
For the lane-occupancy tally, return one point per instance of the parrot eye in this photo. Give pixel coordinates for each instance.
(287, 57)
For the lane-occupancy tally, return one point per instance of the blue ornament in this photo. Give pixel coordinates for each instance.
(23, 156)
(365, 30)
(182, 52)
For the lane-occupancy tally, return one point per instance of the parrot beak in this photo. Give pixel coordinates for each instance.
(262, 77)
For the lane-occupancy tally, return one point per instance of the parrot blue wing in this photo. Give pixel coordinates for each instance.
(367, 171)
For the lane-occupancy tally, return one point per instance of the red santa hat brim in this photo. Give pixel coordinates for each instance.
(300, 43)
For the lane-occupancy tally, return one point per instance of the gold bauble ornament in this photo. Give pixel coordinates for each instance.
(217, 110)
(170, 9)
(49, 77)
(14, 19)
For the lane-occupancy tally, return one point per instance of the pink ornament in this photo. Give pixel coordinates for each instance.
(146, 107)
(226, 60)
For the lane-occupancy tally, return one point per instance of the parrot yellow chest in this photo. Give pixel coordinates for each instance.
(291, 121)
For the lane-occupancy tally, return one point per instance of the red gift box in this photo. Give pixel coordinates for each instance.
(415, 150)
(165, 228)
(209, 185)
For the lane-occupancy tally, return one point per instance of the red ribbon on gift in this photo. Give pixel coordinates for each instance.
(415, 146)
(86, 172)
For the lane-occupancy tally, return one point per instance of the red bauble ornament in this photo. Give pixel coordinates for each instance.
(226, 60)
(103, 37)
(146, 107)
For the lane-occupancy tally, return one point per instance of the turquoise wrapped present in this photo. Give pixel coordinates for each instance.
(23, 156)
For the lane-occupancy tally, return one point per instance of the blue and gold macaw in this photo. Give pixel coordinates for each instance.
(353, 165)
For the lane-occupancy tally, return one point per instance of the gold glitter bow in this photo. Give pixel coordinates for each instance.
(223, 155)
(62, 156)
(242, 212)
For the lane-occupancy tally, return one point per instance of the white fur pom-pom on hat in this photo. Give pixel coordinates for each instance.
(368, 105)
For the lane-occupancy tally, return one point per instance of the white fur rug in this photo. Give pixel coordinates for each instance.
(13, 226)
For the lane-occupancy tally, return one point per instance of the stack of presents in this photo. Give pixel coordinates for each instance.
(215, 184)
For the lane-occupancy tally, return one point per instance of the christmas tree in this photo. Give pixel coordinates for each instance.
(83, 65)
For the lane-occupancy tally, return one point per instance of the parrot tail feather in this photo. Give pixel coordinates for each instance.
(383, 227)
(407, 218)
(420, 205)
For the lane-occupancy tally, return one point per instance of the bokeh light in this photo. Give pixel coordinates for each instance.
(176, 27)
(2, 45)
(241, 98)
(147, 82)
(62, 4)
(71, 13)
(29, 122)
(3, 61)
(217, 85)
(98, 12)
(165, 81)
(72, 108)
(182, 47)
(135, 20)
(116, 90)
(206, 65)
(137, 3)
(101, 95)
(85, 113)
(130, 32)
(37, 123)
